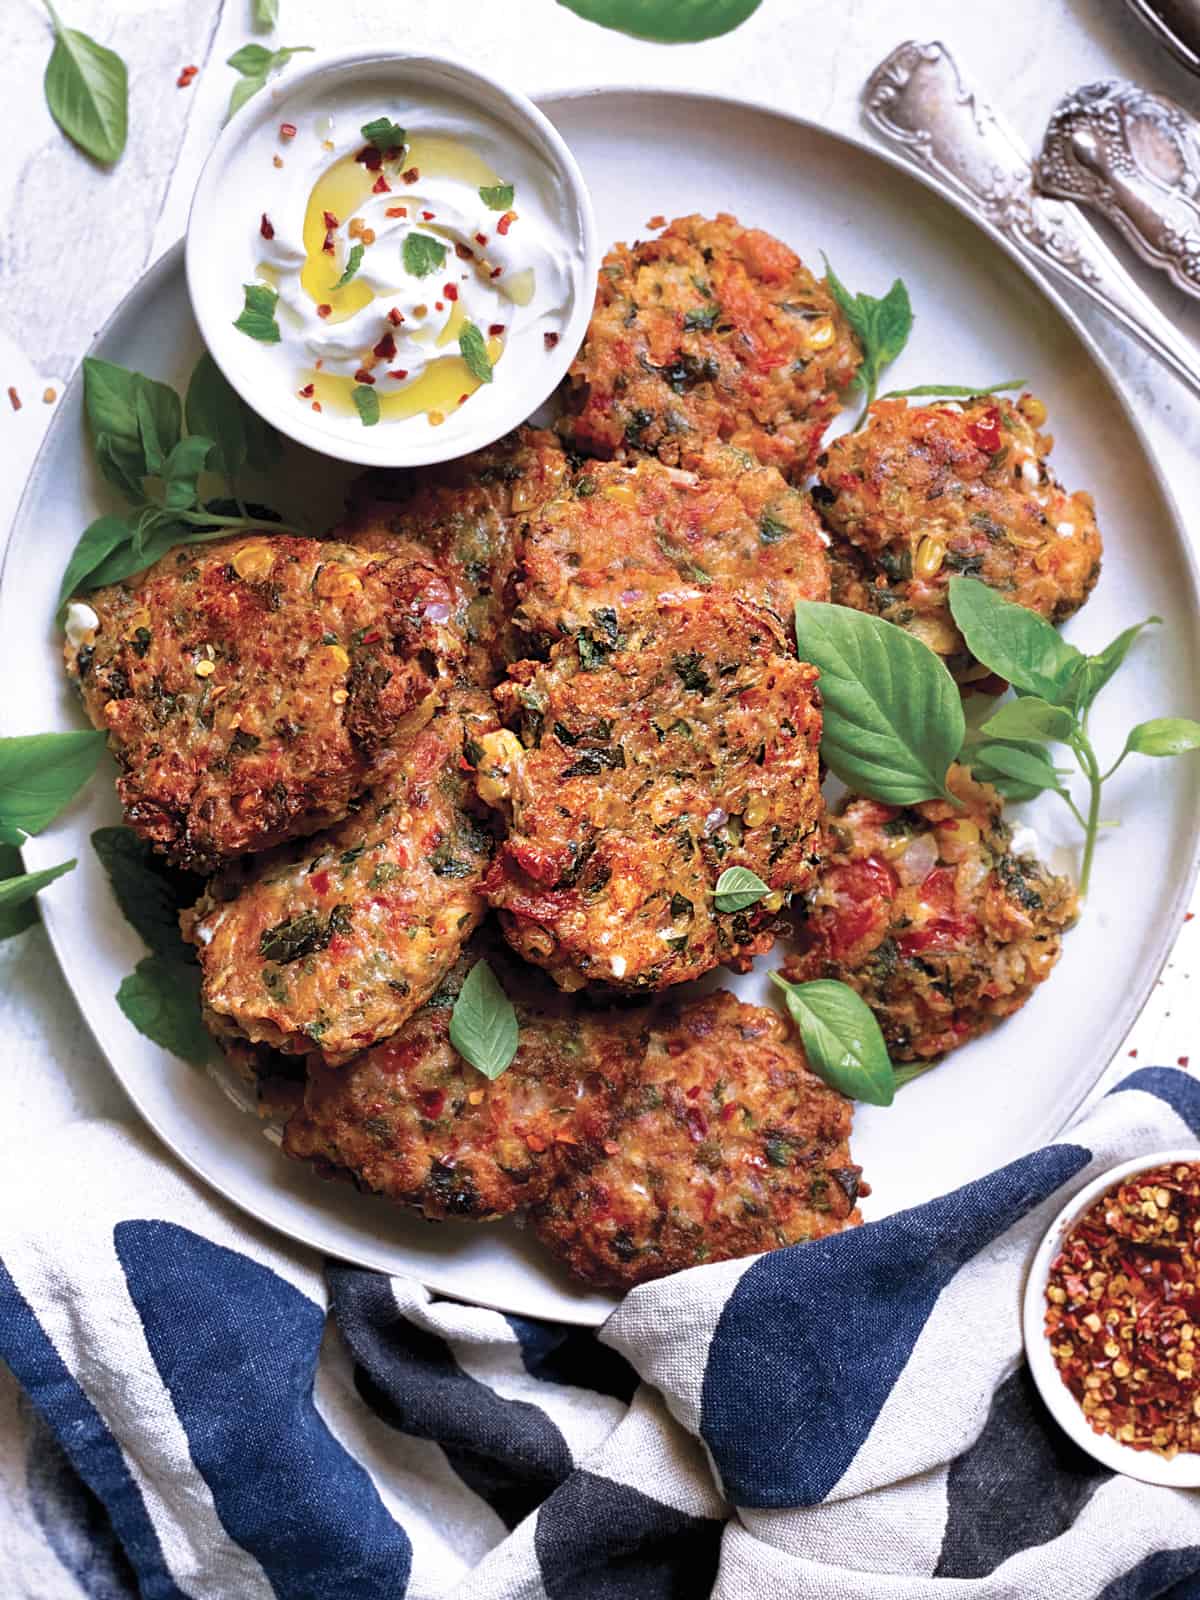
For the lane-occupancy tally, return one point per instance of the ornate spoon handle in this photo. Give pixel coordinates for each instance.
(917, 99)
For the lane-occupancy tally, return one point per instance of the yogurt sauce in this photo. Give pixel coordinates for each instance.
(447, 281)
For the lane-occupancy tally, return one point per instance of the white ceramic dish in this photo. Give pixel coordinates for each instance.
(1183, 1471)
(978, 318)
(238, 184)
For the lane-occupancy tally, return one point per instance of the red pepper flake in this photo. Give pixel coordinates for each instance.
(381, 185)
(506, 222)
(14, 398)
(395, 316)
(370, 158)
(495, 272)
(450, 290)
(481, 238)
(330, 220)
(327, 247)
(463, 252)
(386, 348)
(319, 363)
(1183, 1061)
(411, 175)
(287, 130)
(399, 373)
(429, 215)
(1133, 1053)
(307, 392)
(324, 311)
(985, 430)
(1188, 915)
(438, 306)
(396, 211)
(729, 1110)
(363, 376)
(463, 398)
(316, 405)
(433, 1103)
(185, 77)
(1121, 1309)
(266, 227)
(549, 340)
(495, 329)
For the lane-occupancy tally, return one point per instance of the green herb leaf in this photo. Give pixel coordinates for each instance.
(123, 466)
(16, 893)
(353, 261)
(893, 719)
(701, 319)
(1013, 642)
(41, 772)
(87, 90)
(841, 1039)
(133, 413)
(1029, 718)
(162, 999)
(911, 1070)
(483, 1024)
(367, 401)
(252, 60)
(129, 558)
(143, 891)
(1100, 668)
(882, 326)
(737, 888)
(1164, 736)
(181, 470)
(16, 918)
(214, 408)
(244, 89)
(96, 543)
(953, 391)
(668, 21)
(1018, 771)
(256, 64)
(474, 352)
(422, 255)
(383, 133)
(258, 314)
(266, 14)
(496, 196)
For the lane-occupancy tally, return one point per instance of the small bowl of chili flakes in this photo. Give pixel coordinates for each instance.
(1112, 1318)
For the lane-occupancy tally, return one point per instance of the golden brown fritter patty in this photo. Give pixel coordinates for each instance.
(929, 914)
(728, 1145)
(713, 330)
(655, 751)
(468, 513)
(617, 534)
(336, 941)
(410, 1119)
(250, 687)
(926, 492)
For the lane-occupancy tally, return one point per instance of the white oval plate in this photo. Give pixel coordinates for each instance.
(979, 319)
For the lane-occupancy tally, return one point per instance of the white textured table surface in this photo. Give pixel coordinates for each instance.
(75, 238)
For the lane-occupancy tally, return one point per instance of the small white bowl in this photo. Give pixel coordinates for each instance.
(1183, 1470)
(233, 192)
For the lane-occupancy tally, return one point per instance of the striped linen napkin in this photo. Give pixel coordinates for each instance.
(197, 1408)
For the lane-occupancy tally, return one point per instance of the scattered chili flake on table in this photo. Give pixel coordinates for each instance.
(14, 398)
(287, 130)
(550, 340)
(185, 77)
(1123, 1310)
(266, 227)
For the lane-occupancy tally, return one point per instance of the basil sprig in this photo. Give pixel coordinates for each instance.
(882, 326)
(841, 1038)
(893, 719)
(40, 774)
(737, 888)
(1056, 686)
(137, 433)
(256, 64)
(87, 90)
(483, 1024)
(669, 21)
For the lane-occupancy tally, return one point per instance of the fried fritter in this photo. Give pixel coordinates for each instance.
(930, 915)
(410, 1119)
(727, 1145)
(250, 687)
(335, 941)
(468, 514)
(712, 330)
(655, 751)
(617, 534)
(927, 492)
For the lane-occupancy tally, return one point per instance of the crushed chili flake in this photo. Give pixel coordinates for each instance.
(463, 398)
(506, 222)
(1123, 1310)
(429, 215)
(307, 392)
(287, 130)
(185, 77)
(316, 405)
(396, 211)
(481, 238)
(1183, 1061)
(330, 220)
(14, 398)
(386, 348)
(398, 372)
(495, 329)
(495, 272)
(412, 174)
(381, 185)
(395, 316)
(363, 376)
(324, 311)
(450, 290)
(438, 306)
(464, 252)
(370, 158)
(549, 340)
(327, 247)
(266, 227)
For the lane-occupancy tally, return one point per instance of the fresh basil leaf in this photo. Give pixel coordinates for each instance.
(264, 446)
(266, 14)
(953, 391)
(474, 352)
(668, 21)
(882, 327)
(258, 314)
(1029, 718)
(244, 89)
(496, 196)
(737, 888)
(41, 772)
(483, 1024)
(367, 401)
(19, 891)
(1018, 771)
(123, 466)
(143, 891)
(256, 63)
(87, 90)
(911, 1070)
(181, 470)
(16, 918)
(384, 134)
(1015, 643)
(162, 1000)
(1164, 736)
(129, 558)
(252, 60)
(214, 408)
(353, 262)
(893, 719)
(10, 838)
(110, 401)
(422, 255)
(96, 543)
(1098, 669)
(841, 1039)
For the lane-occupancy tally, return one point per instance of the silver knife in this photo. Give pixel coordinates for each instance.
(918, 100)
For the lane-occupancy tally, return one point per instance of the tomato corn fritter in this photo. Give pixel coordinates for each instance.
(710, 330)
(726, 1144)
(655, 750)
(467, 515)
(927, 492)
(932, 917)
(250, 688)
(334, 942)
(616, 534)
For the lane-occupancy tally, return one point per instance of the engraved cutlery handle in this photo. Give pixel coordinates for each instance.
(917, 99)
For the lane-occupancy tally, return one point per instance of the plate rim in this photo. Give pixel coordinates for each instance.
(546, 99)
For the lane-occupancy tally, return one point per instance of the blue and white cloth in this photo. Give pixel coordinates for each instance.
(198, 1409)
